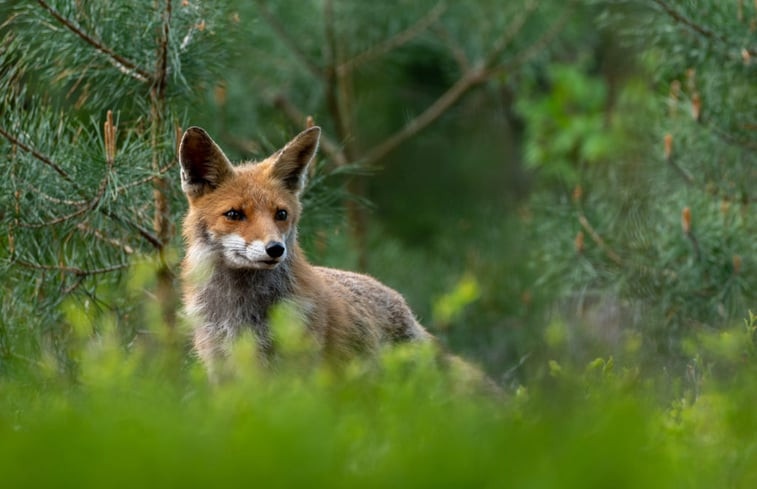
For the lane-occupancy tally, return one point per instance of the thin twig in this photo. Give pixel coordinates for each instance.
(150, 237)
(30, 361)
(332, 150)
(509, 372)
(84, 227)
(41, 157)
(726, 136)
(512, 30)
(432, 112)
(73, 270)
(396, 40)
(57, 220)
(700, 29)
(695, 245)
(288, 40)
(598, 240)
(73, 286)
(56, 200)
(124, 65)
(467, 81)
(688, 22)
(536, 47)
(457, 51)
(679, 169)
(149, 178)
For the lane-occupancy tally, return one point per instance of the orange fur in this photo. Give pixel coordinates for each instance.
(232, 279)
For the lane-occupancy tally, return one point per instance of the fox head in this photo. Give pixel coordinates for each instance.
(247, 214)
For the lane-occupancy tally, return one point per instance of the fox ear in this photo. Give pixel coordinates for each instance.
(203, 164)
(292, 160)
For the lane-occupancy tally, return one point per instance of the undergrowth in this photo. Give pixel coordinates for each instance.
(143, 413)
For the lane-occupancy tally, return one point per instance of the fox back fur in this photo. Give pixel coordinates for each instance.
(242, 258)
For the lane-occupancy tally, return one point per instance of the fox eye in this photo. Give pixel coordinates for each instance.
(281, 215)
(234, 215)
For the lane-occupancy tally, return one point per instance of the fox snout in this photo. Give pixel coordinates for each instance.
(256, 254)
(275, 249)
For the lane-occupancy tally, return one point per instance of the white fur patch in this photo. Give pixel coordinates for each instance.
(239, 253)
(199, 260)
(198, 254)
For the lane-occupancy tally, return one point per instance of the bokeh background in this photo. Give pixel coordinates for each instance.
(556, 187)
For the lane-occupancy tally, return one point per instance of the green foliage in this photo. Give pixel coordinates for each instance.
(451, 304)
(135, 416)
(93, 96)
(76, 209)
(567, 128)
(662, 227)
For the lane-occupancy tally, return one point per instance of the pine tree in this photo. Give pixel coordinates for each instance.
(94, 98)
(664, 223)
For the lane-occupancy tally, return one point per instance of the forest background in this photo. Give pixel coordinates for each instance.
(562, 190)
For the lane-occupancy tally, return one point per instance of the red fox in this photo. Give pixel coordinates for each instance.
(242, 258)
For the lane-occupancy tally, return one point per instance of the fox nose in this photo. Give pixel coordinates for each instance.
(275, 249)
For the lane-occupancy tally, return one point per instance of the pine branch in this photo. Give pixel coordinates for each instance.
(681, 172)
(72, 270)
(396, 40)
(290, 43)
(694, 245)
(84, 227)
(670, 157)
(726, 136)
(57, 220)
(149, 178)
(79, 280)
(39, 156)
(95, 201)
(421, 121)
(124, 65)
(599, 240)
(699, 29)
(56, 200)
(467, 81)
(147, 235)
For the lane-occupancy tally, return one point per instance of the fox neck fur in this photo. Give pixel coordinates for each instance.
(229, 299)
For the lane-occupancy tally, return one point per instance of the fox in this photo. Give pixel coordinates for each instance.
(243, 258)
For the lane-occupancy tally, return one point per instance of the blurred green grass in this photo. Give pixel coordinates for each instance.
(144, 414)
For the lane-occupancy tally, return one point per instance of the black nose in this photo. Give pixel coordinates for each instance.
(275, 249)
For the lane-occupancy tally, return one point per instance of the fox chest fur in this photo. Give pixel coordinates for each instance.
(242, 258)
